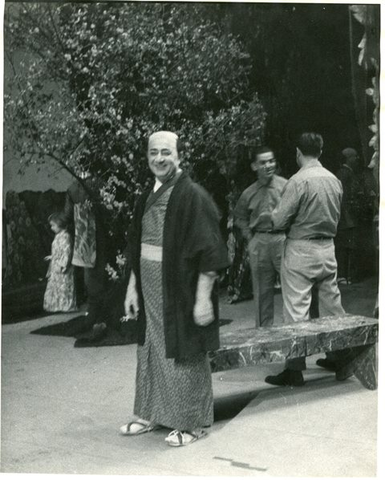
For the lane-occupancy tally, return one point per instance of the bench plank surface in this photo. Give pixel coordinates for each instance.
(252, 346)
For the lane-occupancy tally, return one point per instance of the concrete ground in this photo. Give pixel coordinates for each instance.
(62, 408)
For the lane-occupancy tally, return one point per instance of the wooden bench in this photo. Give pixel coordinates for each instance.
(252, 346)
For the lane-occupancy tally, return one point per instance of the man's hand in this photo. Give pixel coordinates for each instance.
(48, 258)
(131, 302)
(131, 305)
(203, 308)
(203, 312)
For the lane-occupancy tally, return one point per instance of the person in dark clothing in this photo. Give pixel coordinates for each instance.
(346, 240)
(83, 211)
(175, 251)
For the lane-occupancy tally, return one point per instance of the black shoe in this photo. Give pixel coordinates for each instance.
(344, 373)
(293, 378)
(326, 364)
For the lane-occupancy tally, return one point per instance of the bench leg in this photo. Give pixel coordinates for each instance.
(364, 366)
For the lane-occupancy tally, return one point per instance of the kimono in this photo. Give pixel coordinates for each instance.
(60, 292)
(192, 243)
(175, 237)
(80, 212)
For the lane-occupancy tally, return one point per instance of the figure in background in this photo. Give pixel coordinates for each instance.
(175, 251)
(239, 286)
(346, 241)
(369, 207)
(265, 243)
(60, 292)
(84, 212)
(309, 211)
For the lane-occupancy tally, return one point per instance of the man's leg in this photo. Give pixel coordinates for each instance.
(296, 274)
(276, 252)
(95, 280)
(80, 287)
(329, 295)
(266, 281)
(330, 304)
(95, 287)
(296, 294)
(263, 277)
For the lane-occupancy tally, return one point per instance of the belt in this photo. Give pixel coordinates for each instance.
(272, 232)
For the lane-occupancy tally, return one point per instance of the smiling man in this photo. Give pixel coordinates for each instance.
(175, 251)
(264, 243)
(163, 157)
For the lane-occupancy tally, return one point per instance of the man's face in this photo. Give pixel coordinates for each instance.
(265, 165)
(163, 158)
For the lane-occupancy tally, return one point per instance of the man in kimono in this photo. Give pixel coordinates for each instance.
(175, 251)
(265, 244)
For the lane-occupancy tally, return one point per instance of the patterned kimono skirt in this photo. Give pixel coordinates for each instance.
(175, 394)
(60, 295)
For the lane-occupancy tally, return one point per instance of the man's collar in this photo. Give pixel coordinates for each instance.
(266, 184)
(314, 162)
(158, 183)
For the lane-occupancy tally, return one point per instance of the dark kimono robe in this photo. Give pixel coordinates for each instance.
(192, 244)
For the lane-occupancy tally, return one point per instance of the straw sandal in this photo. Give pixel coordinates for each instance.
(180, 439)
(144, 427)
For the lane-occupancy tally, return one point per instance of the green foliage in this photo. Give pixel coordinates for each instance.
(94, 80)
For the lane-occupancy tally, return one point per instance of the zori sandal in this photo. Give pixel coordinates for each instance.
(180, 439)
(132, 427)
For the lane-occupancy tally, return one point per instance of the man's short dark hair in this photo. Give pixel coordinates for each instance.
(260, 151)
(310, 144)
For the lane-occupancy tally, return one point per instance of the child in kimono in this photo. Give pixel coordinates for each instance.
(60, 292)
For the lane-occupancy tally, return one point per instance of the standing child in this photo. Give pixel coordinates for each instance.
(60, 292)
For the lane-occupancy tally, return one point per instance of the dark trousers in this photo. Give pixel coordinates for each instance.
(95, 286)
(95, 281)
(341, 358)
(346, 253)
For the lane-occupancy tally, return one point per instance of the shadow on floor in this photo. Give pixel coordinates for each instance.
(226, 408)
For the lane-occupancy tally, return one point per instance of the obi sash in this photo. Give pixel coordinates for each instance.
(151, 252)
